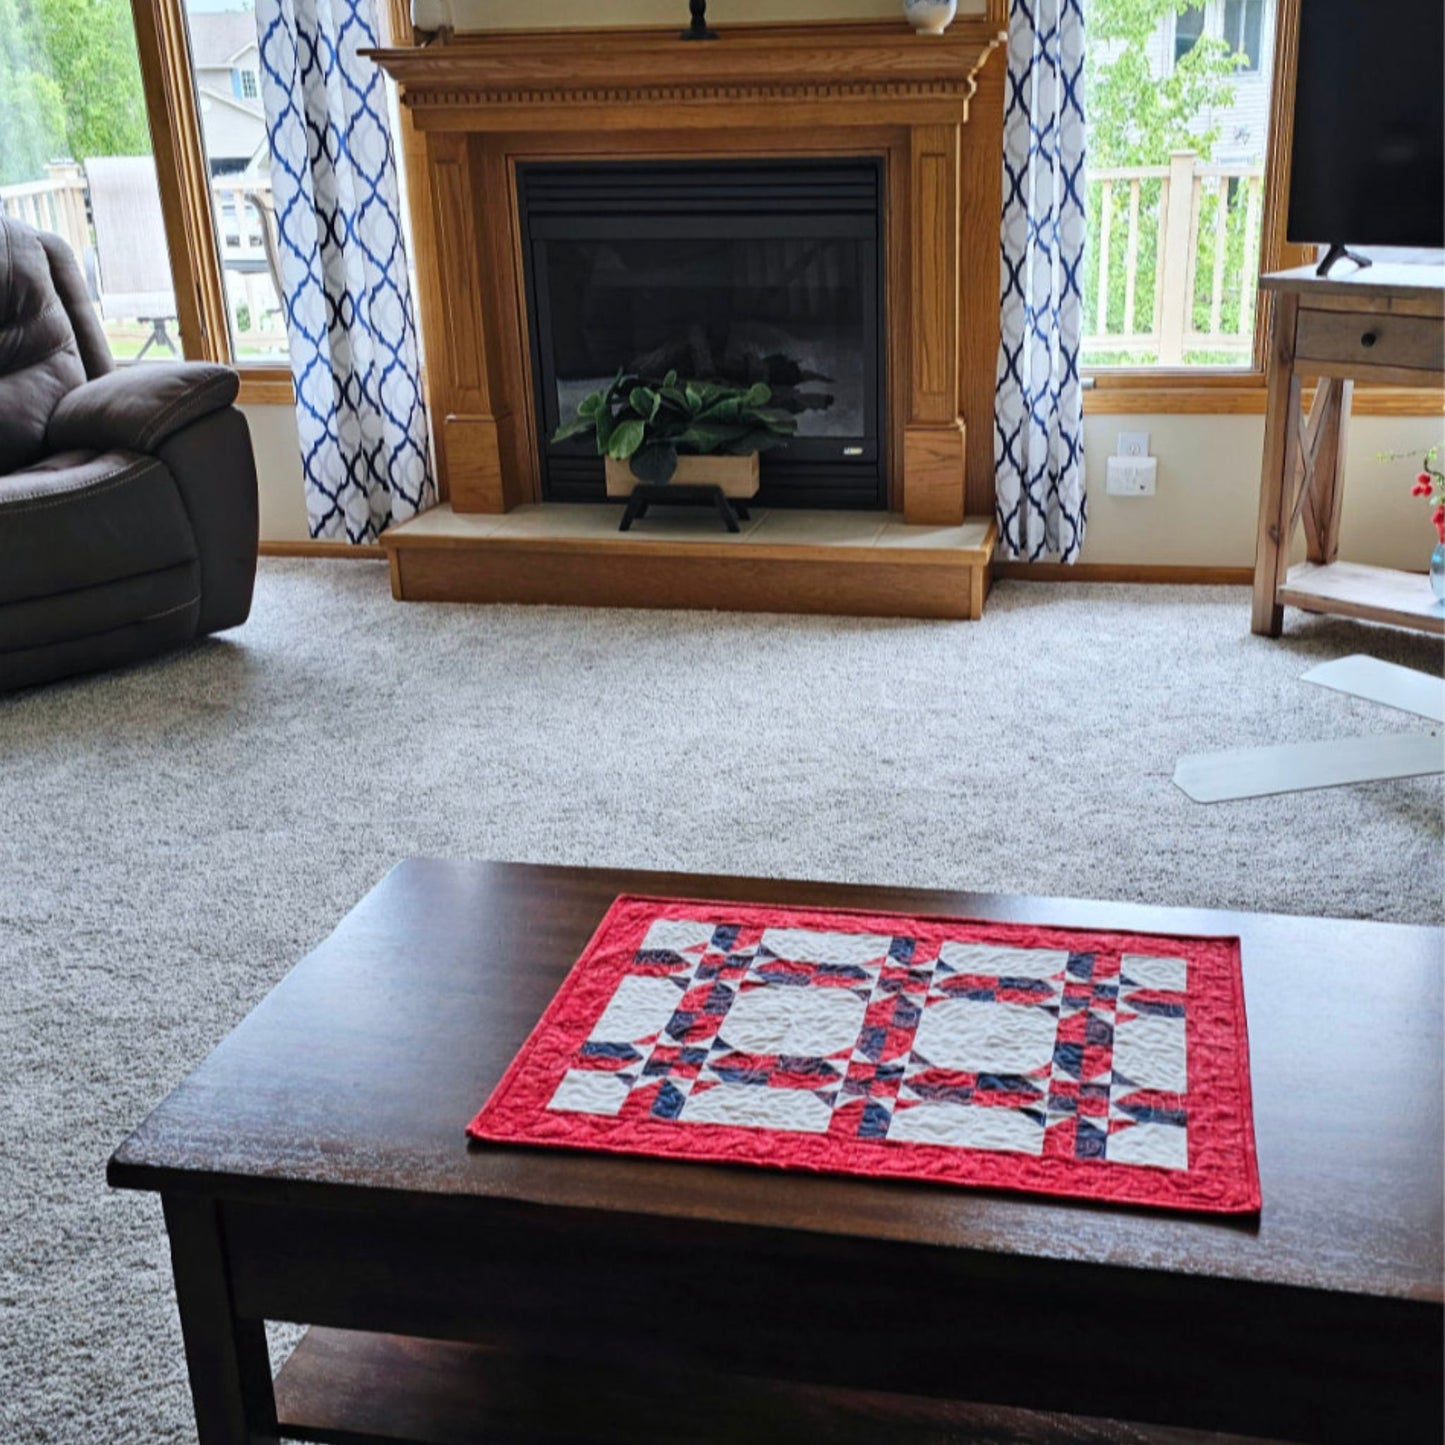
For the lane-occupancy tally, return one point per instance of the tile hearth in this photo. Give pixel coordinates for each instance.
(850, 563)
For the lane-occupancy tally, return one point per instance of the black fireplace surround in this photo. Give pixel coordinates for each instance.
(754, 271)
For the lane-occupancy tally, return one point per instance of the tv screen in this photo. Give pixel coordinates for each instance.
(1369, 124)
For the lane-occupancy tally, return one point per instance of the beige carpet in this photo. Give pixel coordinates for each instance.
(172, 838)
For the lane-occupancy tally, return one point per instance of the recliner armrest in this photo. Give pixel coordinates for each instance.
(136, 408)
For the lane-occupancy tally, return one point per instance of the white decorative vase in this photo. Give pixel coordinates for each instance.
(930, 17)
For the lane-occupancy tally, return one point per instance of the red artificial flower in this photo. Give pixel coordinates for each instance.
(1438, 517)
(1422, 486)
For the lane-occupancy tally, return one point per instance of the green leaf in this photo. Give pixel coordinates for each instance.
(694, 398)
(592, 404)
(644, 401)
(604, 431)
(724, 410)
(626, 437)
(758, 394)
(582, 426)
(670, 380)
(655, 463)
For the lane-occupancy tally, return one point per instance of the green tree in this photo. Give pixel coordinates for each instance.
(1137, 119)
(91, 48)
(1134, 118)
(32, 111)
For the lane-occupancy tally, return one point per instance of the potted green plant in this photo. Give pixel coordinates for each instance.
(698, 433)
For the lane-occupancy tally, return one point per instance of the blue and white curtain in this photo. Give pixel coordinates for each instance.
(348, 301)
(1038, 408)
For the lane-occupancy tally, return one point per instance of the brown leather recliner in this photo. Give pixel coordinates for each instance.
(128, 511)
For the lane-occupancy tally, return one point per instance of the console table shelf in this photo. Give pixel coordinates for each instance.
(1385, 324)
(1373, 594)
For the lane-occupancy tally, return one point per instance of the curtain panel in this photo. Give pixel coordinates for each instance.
(349, 313)
(1038, 409)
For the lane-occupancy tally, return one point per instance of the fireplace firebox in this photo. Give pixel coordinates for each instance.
(732, 271)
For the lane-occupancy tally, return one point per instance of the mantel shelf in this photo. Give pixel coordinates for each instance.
(839, 54)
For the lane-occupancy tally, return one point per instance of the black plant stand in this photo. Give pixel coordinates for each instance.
(644, 494)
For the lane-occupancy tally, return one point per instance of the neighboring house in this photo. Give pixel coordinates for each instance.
(1247, 26)
(227, 64)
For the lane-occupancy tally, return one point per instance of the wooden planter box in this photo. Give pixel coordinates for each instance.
(737, 476)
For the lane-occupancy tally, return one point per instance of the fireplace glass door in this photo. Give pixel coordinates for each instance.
(720, 272)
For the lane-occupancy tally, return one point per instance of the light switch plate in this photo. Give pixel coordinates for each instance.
(1133, 444)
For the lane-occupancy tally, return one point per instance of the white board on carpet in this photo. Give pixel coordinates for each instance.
(1298, 767)
(1383, 682)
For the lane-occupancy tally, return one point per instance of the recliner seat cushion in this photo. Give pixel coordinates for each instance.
(39, 359)
(78, 520)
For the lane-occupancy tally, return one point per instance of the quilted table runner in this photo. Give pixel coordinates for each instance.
(1092, 1065)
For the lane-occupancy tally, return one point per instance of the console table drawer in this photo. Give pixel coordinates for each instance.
(1362, 341)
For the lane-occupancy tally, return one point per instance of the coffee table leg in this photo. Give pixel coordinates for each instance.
(226, 1356)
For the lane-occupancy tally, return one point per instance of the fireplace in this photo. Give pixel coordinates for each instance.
(810, 201)
(757, 271)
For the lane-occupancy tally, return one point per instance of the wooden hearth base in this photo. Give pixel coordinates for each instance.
(859, 564)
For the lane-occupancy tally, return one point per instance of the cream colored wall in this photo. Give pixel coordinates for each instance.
(278, 472)
(1203, 514)
(1205, 511)
(530, 14)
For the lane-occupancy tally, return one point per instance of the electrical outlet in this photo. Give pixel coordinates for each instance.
(1132, 476)
(1133, 444)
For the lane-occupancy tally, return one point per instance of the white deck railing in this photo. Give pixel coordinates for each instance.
(59, 203)
(1172, 274)
(1174, 266)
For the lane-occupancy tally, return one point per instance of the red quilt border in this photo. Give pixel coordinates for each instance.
(1223, 1176)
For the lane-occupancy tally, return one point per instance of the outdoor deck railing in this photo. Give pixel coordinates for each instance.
(1172, 272)
(1173, 268)
(58, 203)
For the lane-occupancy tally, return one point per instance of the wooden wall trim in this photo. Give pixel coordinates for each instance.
(333, 551)
(1248, 399)
(1121, 572)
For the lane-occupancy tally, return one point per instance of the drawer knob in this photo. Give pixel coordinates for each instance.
(1369, 339)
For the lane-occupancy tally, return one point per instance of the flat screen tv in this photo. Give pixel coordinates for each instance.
(1369, 126)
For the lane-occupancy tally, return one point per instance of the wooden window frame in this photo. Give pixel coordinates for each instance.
(175, 126)
(1120, 391)
(168, 79)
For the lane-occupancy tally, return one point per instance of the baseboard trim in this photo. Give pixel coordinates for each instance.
(1122, 572)
(349, 550)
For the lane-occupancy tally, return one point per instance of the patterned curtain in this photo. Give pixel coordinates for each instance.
(343, 268)
(1038, 410)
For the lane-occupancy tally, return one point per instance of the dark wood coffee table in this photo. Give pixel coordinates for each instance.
(314, 1169)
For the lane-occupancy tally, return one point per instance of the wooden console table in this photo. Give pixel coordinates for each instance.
(1383, 324)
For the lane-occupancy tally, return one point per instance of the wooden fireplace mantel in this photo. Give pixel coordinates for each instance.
(486, 101)
(818, 66)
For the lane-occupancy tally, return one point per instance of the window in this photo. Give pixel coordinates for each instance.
(1188, 31)
(75, 158)
(224, 44)
(1175, 186)
(1243, 27)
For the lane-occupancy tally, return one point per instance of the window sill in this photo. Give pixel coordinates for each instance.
(266, 386)
(1241, 396)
